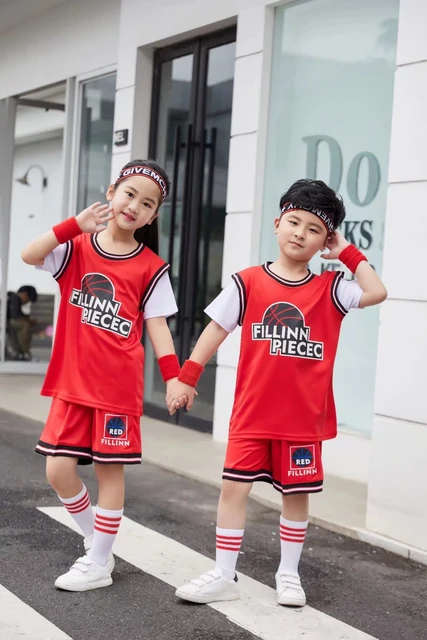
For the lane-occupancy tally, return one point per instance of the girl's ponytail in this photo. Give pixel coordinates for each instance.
(149, 236)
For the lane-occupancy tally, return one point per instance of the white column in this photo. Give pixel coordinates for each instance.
(397, 500)
(245, 180)
(133, 104)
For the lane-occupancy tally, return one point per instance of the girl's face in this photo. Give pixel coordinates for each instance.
(135, 202)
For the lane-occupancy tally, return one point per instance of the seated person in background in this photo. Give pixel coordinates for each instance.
(18, 322)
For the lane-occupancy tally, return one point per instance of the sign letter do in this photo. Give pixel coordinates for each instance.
(336, 164)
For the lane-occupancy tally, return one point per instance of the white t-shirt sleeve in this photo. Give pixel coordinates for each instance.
(161, 303)
(349, 294)
(225, 309)
(54, 260)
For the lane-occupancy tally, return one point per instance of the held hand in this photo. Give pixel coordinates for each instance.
(336, 243)
(178, 395)
(94, 218)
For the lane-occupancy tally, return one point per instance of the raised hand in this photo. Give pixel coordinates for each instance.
(336, 243)
(94, 218)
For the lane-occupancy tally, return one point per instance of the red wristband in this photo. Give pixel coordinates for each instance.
(351, 257)
(190, 373)
(66, 230)
(169, 367)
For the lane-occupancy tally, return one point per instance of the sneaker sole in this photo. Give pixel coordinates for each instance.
(292, 602)
(106, 582)
(189, 597)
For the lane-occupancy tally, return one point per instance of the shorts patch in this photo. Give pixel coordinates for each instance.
(115, 426)
(302, 457)
(291, 468)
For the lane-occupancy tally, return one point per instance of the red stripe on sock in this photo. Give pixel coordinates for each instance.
(230, 538)
(284, 529)
(220, 546)
(107, 520)
(77, 502)
(77, 508)
(292, 538)
(112, 532)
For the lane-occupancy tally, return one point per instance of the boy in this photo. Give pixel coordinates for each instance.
(284, 405)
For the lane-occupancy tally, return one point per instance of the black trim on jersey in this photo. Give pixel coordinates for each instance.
(66, 260)
(152, 285)
(242, 296)
(289, 283)
(114, 256)
(337, 304)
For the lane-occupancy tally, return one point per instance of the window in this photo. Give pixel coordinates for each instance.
(330, 118)
(96, 140)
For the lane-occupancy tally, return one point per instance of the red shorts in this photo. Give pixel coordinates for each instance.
(91, 435)
(291, 468)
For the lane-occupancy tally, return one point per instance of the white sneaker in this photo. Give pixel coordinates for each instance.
(289, 590)
(212, 586)
(84, 575)
(111, 563)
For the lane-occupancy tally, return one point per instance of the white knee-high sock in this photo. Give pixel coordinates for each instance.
(228, 542)
(80, 509)
(107, 524)
(292, 536)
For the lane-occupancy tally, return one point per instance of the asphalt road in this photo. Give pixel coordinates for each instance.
(369, 589)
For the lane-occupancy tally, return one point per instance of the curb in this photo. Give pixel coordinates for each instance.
(355, 533)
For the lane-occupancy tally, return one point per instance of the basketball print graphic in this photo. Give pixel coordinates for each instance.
(95, 284)
(283, 325)
(283, 314)
(100, 309)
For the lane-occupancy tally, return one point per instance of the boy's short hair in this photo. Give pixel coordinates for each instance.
(315, 194)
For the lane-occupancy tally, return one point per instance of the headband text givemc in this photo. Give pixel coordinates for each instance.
(289, 206)
(146, 172)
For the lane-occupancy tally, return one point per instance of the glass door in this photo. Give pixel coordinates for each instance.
(191, 122)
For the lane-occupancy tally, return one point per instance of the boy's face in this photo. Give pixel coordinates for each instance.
(300, 235)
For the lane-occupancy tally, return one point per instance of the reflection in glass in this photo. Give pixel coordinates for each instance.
(173, 113)
(35, 208)
(96, 140)
(217, 125)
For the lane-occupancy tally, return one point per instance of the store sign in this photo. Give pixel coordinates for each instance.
(358, 232)
(121, 137)
(336, 170)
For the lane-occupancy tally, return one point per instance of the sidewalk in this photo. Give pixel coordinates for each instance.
(341, 507)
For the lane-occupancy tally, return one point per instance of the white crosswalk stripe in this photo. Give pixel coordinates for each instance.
(18, 620)
(256, 611)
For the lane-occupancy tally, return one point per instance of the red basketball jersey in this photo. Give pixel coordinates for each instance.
(290, 334)
(97, 357)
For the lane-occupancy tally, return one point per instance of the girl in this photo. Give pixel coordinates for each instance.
(111, 281)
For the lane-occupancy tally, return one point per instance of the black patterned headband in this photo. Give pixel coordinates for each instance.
(146, 172)
(289, 206)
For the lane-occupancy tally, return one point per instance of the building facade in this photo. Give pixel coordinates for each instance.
(237, 99)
